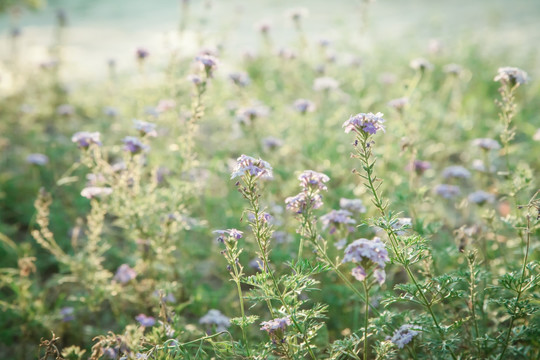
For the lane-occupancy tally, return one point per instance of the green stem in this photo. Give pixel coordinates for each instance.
(366, 317)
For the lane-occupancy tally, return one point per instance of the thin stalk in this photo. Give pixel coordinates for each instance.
(366, 317)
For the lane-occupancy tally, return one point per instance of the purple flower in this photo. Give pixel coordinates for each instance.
(145, 321)
(447, 191)
(142, 54)
(240, 78)
(299, 203)
(453, 69)
(92, 192)
(195, 79)
(456, 171)
(370, 250)
(134, 145)
(84, 139)
(165, 105)
(313, 180)
(353, 205)
(481, 197)
(145, 128)
(125, 274)
(231, 233)
(405, 334)
(303, 106)
(246, 165)
(380, 275)
(208, 63)
(67, 313)
(248, 114)
(264, 27)
(368, 123)
(399, 104)
(272, 143)
(512, 76)
(110, 111)
(215, 317)
(335, 218)
(419, 166)
(487, 144)
(37, 159)
(325, 84)
(65, 110)
(359, 273)
(275, 324)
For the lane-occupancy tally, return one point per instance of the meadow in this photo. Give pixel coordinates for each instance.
(264, 185)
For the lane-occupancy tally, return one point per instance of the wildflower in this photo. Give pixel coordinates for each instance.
(359, 273)
(91, 192)
(419, 166)
(456, 171)
(297, 14)
(37, 159)
(67, 313)
(335, 218)
(399, 104)
(254, 167)
(387, 78)
(340, 244)
(240, 78)
(299, 203)
(256, 264)
(208, 63)
(303, 106)
(142, 54)
(125, 274)
(145, 128)
(453, 69)
(353, 205)
(145, 321)
(231, 233)
(324, 43)
(165, 105)
(447, 191)
(276, 324)
(325, 84)
(248, 114)
(512, 76)
(421, 64)
(195, 79)
(364, 123)
(313, 180)
(481, 197)
(169, 297)
(65, 110)
(110, 111)
(215, 317)
(281, 237)
(286, 54)
(134, 145)
(263, 27)
(272, 143)
(370, 250)
(111, 353)
(84, 139)
(486, 144)
(405, 334)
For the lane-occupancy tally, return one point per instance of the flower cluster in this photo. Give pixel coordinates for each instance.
(335, 218)
(481, 197)
(487, 144)
(208, 63)
(325, 84)
(447, 191)
(312, 183)
(313, 180)
(512, 76)
(247, 165)
(91, 192)
(352, 205)
(215, 317)
(145, 320)
(303, 106)
(230, 233)
(240, 78)
(125, 274)
(276, 324)
(367, 253)
(302, 201)
(456, 171)
(134, 145)
(37, 159)
(145, 128)
(365, 123)
(84, 139)
(405, 334)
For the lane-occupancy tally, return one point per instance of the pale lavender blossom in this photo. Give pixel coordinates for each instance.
(359, 273)
(274, 325)
(145, 128)
(447, 191)
(247, 165)
(487, 144)
(240, 78)
(92, 192)
(65, 110)
(340, 244)
(299, 203)
(419, 166)
(134, 145)
(231, 233)
(297, 14)
(37, 159)
(287, 54)
(215, 317)
(165, 105)
(453, 69)
(335, 218)
(125, 274)
(325, 84)
(353, 205)
(399, 104)
(313, 180)
(67, 314)
(303, 106)
(456, 171)
(208, 63)
(379, 275)
(264, 27)
(421, 64)
(481, 197)
(512, 76)
(110, 111)
(195, 79)
(388, 78)
(84, 139)
(251, 113)
(272, 143)
(405, 334)
(281, 237)
(141, 54)
(479, 165)
(367, 123)
(367, 250)
(145, 320)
